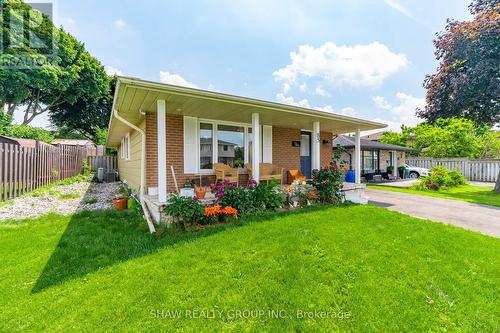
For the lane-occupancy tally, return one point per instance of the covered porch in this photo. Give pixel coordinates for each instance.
(187, 131)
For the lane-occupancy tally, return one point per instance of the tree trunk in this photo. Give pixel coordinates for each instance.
(497, 185)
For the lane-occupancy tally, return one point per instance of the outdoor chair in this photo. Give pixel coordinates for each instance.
(295, 175)
(224, 171)
(267, 172)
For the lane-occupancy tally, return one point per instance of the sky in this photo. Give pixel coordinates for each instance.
(364, 58)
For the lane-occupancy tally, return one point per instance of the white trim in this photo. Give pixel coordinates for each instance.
(256, 147)
(162, 150)
(127, 147)
(357, 157)
(316, 152)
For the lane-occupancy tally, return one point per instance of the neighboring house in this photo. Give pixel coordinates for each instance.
(30, 143)
(90, 146)
(226, 152)
(373, 137)
(157, 126)
(375, 156)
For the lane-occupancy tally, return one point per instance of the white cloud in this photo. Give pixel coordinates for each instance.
(112, 71)
(348, 111)
(395, 4)
(120, 24)
(402, 113)
(286, 88)
(357, 65)
(175, 79)
(303, 87)
(322, 92)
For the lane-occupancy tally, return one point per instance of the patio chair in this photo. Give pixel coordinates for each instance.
(295, 175)
(267, 172)
(224, 171)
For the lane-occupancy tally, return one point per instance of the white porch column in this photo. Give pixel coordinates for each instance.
(162, 150)
(357, 157)
(316, 155)
(256, 147)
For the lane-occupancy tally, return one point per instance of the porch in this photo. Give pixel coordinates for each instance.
(184, 131)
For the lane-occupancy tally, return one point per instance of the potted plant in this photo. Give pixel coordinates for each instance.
(120, 202)
(390, 169)
(200, 192)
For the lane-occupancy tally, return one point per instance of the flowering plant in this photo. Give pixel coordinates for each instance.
(214, 213)
(328, 180)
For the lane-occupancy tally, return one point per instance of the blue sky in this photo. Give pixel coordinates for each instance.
(363, 58)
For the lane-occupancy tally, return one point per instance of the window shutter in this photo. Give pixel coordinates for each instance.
(190, 145)
(267, 144)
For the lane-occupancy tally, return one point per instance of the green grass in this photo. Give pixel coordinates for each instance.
(383, 271)
(470, 193)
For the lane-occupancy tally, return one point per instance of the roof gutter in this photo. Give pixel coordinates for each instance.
(143, 166)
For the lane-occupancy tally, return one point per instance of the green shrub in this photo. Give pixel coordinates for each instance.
(328, 180)
(251, 198)
(86, 168)
(440, 178)
(184, 210)
(268, 196)
(90, 201)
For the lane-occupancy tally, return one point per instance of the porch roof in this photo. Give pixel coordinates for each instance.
(135, 97)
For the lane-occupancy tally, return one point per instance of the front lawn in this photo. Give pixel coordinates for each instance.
(470, 193)
(352, 268)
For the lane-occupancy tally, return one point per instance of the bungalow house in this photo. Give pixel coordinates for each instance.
(375, 156)
(157, 126)
(91, 148)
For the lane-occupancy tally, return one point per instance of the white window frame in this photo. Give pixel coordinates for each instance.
(215, 147)
(125, 147)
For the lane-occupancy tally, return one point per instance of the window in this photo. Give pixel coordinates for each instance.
(206, 144)
(370, 163)
(231, 145)
(125, 147)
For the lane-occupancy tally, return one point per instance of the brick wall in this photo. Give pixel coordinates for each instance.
(326, 150)
(284, 154)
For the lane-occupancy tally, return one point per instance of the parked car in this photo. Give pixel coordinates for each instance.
(415, 172)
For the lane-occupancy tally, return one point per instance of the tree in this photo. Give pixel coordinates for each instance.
(63, 76)
(87, 118)
(467, 81)
(29, 132)
(450, 137)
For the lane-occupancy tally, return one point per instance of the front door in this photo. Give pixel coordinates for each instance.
(305, 154)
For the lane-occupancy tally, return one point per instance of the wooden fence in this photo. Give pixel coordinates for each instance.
(476, 170)
(23, 169)
(108, 163)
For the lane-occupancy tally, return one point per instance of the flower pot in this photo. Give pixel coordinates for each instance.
(120, 203)
(200, 192)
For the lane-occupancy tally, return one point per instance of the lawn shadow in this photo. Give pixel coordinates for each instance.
(95, 240)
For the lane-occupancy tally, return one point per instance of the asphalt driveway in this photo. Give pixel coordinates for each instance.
(482, 218)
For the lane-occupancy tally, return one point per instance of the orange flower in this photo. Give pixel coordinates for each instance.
(210, 211)
(313, 195)
(228, 210)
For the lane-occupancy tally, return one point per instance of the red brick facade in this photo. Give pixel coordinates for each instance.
(283, 153)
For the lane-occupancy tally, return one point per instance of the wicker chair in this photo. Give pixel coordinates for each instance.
(267, 172)
(224, 171)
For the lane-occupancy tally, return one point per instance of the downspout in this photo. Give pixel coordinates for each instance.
(143, 168)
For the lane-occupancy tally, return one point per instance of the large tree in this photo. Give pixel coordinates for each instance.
(87, 118)
(65, 73)
(467, 81)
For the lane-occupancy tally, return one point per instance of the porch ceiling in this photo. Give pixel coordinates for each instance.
(135, 97)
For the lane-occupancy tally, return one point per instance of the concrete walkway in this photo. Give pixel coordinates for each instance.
(482, 218)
